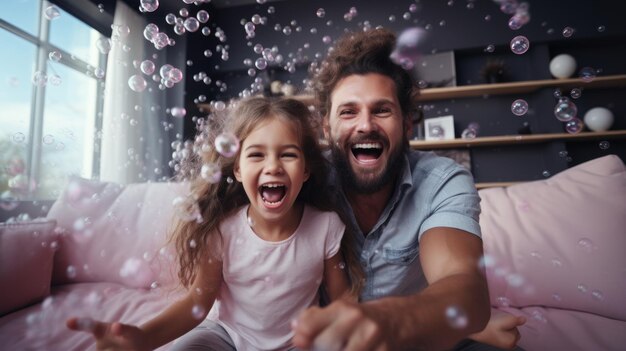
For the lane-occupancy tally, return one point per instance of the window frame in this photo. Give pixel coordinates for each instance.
(38, 93)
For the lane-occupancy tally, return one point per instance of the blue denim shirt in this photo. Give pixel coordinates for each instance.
(432, 192)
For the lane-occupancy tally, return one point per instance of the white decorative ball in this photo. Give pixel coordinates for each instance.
(562, 66)
(599, 119)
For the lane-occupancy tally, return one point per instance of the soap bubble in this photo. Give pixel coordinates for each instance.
(597, 295)
(327, 39)
(574, 126)
(227, 144)
(520, 44)
(565, 109)
(103, 45)
(178, 112)
(260, 63)
(147, 67)
(456, 317)
(131, 267)
(219, 105)
(51, 12)
(150, 31)
(165, 70)
(586, 244)
(55, 80)
(137, 83)
(149, 5)
(211, 172)
(568, 32)
(202, 16)
(575, 93)
(320, 13)
(191, 24)
(40, 79)
(249, 27)
(98, 73)
(582, 288)
(587, 74)
(471, 131)
(54, 56)
(519, 107)
(71, 272)
(198, 312)
(604, 145)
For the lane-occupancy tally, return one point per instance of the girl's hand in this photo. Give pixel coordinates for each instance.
(111, 336)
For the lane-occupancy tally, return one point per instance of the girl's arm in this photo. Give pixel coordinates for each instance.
(176, 320)
(336, 279)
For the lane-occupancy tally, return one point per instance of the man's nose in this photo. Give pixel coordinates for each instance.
(365, 122)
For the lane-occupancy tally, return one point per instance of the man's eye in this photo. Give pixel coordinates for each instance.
(347, 112)
(384, 112)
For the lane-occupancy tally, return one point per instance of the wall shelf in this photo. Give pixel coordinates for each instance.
(513, 139)
(518, 87)
(433, 94)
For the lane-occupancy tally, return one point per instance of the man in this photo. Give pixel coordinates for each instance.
(415, 214)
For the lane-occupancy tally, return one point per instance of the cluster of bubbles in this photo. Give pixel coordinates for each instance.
(566, 111)
(407, 49)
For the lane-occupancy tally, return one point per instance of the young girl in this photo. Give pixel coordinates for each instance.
(265, 242)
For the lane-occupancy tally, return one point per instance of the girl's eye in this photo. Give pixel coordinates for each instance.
(290, 155)
(255, 155)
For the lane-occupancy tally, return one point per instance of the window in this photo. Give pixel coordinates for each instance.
(50, 97)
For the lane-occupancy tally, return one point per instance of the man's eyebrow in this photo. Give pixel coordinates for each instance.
(379, 102)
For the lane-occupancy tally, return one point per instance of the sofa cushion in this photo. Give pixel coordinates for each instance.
(113, 233)
(26, 255)
(559, 242)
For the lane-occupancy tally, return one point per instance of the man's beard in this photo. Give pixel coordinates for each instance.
(349, 179)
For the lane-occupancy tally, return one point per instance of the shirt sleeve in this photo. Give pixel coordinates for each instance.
(454, 203)
(335, 232)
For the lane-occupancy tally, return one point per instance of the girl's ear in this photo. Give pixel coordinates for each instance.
(237, 171)
(307, 174)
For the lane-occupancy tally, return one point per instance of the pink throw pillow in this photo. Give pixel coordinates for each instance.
(26, 256)
(559, 242)
(114, 233)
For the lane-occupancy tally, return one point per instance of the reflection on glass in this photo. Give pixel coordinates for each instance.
(75, 37)
(23, 14)
(67, 137)
(15, 107)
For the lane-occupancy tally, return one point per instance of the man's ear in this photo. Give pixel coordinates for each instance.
(326, 127)
(408, 128)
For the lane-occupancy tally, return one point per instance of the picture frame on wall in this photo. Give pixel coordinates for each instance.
(439, 128)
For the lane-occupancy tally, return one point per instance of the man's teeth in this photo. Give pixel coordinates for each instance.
(367, 146)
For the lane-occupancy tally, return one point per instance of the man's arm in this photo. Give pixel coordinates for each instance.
(449, 258)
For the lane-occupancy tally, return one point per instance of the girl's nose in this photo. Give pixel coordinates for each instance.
(273, 165)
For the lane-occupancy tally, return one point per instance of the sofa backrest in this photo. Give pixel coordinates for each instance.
(114, 233)
(559, 242)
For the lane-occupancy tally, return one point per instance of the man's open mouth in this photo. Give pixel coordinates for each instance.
(367, 152)
(273, 193)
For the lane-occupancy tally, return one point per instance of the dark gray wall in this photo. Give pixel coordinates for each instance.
(467, 32)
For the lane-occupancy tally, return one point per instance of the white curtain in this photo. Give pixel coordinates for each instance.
(136, 131)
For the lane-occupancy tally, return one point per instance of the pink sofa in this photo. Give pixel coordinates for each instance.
(554, 253)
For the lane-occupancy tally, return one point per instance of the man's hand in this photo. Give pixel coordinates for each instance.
(341, 325)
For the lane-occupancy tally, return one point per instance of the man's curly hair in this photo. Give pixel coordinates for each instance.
(362, 53)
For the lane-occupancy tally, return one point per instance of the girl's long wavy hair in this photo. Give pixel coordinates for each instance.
(216, 201)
